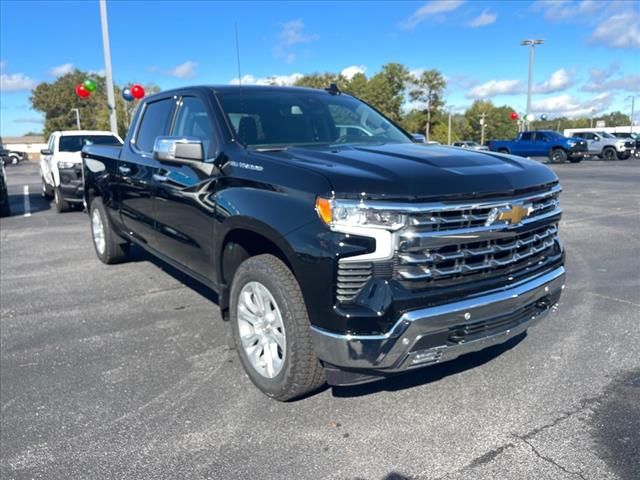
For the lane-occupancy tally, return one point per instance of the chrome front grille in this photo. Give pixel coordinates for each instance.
(459, 261)
(351, 278)
(450, 217)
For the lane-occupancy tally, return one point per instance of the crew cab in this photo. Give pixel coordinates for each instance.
(606, 145)
(542, 143)
(337, 257)
(61, 164)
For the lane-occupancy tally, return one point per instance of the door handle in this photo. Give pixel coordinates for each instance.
(159, 178)
(124, 170)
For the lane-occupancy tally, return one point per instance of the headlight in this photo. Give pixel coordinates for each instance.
(572, 142)
(66, 164)
(351, 213)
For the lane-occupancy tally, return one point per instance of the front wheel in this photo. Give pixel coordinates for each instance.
(558, 155)
(61, 204)
(271, 329)
(109, 247)
(46, 190)
(624, 155)
(609, 154)
(503, 150)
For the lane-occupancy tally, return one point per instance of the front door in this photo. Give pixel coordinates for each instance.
(136, 169)
(183, 194)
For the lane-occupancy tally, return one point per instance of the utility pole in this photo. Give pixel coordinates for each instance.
(593, 111)
(532, 45)
(482, 125)
(449, 128)
(111, 98)
(633, 101)
(77, 116)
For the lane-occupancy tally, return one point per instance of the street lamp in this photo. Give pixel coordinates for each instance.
(77, 116)
(532, 45)
(633, 101)
(593, 112)
(111, 101)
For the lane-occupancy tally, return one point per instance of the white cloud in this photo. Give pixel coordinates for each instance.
(558, 81)
(495, 87)
(16, 82)
(61, 70)
(351, 71)
(484, 19)
(619, 31)
(184, 70)
(559, 10)
(626, 83)
(569, 106)
(292, 34)
(433, 8)
(282, 80)
(100, 72)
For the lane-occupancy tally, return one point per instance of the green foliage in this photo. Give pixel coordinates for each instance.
(427, 88)
(56, 99)
(498, 123)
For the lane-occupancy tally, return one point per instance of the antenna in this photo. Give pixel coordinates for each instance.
(238, 56)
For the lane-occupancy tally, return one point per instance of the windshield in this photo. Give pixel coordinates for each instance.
(74, 143)
(606, 135)
(282, 118)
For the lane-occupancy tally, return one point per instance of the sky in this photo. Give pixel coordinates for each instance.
(590, 59)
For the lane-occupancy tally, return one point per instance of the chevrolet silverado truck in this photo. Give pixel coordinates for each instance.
(543, 143)
(606, 145)
(337, 257)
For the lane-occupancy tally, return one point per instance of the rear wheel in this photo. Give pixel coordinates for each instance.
(271, 329)
(61, 204)
(558, 155)
(503, 150)
(110, 248)
(609, 154)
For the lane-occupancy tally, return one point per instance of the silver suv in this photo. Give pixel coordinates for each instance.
(606, 145)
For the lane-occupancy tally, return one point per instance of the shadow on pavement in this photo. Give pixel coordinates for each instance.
(37, 203)
(429, 374)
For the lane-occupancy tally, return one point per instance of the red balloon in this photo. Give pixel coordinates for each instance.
(82, 92)
(514, 116)
(137, 91)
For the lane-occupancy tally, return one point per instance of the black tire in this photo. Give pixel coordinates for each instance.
(5, 208)
(503, 150)
(14, 159)
(609, 154)
(301, 372)
(558, 155)
(116, 249)
(61, 204)
(624, 155)
(46, 190)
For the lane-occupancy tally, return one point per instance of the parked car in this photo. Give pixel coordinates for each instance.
(606, 145)
(61, 164)
(335, 259)
(542, 143)
(5, 208)
(470, 144)
(632, 137)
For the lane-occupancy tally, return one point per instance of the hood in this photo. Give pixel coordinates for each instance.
(73, 157)
(412, 171)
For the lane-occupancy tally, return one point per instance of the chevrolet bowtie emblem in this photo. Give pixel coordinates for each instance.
(512, 214)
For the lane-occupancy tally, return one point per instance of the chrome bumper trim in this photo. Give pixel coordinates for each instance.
(393, 351)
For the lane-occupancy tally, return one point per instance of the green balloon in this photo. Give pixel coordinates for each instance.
(89, 85)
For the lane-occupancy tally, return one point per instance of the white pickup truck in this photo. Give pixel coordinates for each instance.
(61, 164)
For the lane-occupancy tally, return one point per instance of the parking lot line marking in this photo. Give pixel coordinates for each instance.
(27, 205)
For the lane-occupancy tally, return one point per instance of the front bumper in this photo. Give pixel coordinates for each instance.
(437, 334)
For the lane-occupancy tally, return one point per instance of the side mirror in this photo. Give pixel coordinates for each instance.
(417, 138)
(46, 151)
(596, 139)
(177, 149)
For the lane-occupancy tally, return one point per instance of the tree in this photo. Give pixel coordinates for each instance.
(386, 90)
(498, 123)
(428, 88)
(56, 100)
(320, 80)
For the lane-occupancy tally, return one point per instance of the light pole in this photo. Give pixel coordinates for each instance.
(77, 116)
(449, 128)
(593, 112)
(532, 45)
(111, 100)
(633, 101)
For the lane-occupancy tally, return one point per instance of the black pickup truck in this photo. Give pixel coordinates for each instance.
(339, 255)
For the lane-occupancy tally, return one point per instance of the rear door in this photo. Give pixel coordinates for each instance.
(524, 145)
(184, 204)
(136, 169)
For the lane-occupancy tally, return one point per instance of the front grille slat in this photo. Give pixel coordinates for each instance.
(351, 278)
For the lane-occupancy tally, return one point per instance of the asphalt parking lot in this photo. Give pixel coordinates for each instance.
(125, 372)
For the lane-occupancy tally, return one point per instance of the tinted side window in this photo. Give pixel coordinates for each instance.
(193, 120)
(527, 136)
(156, 121)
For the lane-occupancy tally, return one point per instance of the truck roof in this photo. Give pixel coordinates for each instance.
(63, 133)
(237, 88)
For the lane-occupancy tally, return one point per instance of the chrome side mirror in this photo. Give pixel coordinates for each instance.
(176, 149)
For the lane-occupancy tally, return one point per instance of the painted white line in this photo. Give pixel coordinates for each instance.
(27, 205)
